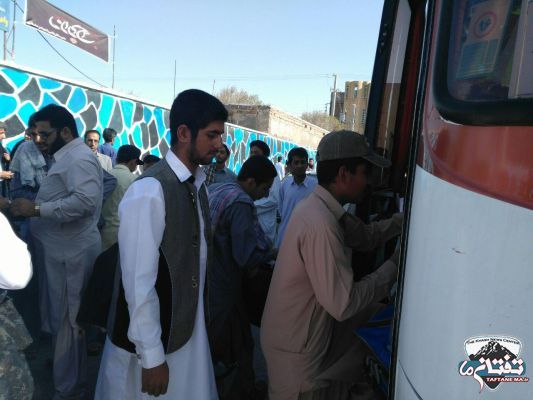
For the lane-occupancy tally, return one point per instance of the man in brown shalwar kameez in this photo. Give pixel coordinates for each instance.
(313, 302)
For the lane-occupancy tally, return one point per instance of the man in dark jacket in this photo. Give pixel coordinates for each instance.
(239, 246)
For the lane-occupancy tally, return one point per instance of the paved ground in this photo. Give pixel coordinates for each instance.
(39, 354)
(40, 361)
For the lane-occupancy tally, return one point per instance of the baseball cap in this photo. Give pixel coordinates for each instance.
(151, 159)
(127, 153)
(338, 145)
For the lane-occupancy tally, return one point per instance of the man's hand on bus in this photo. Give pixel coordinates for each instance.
(395, 258)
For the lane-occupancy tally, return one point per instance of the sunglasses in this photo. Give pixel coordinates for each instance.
(44, 134)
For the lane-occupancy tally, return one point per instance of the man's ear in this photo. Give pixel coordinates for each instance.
(184, 134)
(66, 134)
(342, 175)
(249, 183)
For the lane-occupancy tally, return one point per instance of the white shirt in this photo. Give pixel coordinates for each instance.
(15, 261)
(290, 194)
(267, 210)
(142, 223)
(281, 170)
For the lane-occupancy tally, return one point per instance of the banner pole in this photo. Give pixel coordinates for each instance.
(14, 25)
(114, 40)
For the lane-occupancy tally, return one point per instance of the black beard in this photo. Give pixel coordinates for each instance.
(58, 144)
(195, 158)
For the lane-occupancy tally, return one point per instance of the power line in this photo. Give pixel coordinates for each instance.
(68, 62)
(258, 78)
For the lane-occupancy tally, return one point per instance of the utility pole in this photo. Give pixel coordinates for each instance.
(332, 107)
(213, 90)
(114, 41)
(14, 25)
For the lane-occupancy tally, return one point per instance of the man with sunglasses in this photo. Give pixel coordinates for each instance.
(65, 241)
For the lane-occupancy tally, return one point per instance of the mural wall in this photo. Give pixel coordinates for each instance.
(141, 124)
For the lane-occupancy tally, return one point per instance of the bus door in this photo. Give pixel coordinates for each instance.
(389, 123)
(463, 307)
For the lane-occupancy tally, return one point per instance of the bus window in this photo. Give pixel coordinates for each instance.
(484, 42)
(485, 59)
(385, 95)
(391, 92)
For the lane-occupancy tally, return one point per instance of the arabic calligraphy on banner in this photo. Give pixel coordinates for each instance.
(493, 360)
(45, 17)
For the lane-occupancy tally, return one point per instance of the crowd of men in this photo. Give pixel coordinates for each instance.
(210, 285)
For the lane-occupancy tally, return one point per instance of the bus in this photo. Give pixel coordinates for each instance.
(451, 105)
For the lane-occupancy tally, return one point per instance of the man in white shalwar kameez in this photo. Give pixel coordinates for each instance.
(146, 363)
(65, 242)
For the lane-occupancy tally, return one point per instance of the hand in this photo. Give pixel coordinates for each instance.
(4, 203)
(395, 258)
(155, 380)
(7, 157)
(23, 208)
(6, 174)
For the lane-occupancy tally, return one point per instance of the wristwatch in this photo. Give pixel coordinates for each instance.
(37, 210)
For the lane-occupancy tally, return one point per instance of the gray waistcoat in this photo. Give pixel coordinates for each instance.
(178, 279)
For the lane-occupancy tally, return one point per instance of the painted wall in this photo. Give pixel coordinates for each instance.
(144, 125)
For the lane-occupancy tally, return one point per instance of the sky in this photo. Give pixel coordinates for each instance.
(285, 51)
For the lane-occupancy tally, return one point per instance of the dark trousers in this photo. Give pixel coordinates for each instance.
(232, 351)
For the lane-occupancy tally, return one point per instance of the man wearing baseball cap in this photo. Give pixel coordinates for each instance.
(313, 301)
(128, 158)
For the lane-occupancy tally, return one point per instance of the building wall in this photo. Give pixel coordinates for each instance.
(356, 104)
(22, 92)
(239, 138)
(277, 123)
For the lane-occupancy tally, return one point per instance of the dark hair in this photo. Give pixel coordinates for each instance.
(58, 117)
(109, 134)
(196, 109)
(262, 145)
(31, 121)
(280, 158)
(259, 168)
(92, 131)
(228, 151)
(326, 171)
(151, 159)
(297, 152)
(127, 153)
